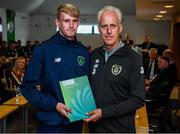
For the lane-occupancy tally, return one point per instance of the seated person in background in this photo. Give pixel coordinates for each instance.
(128, 41)
(4, 48)
(17, 73)
(151, 64)
(162, 84)
(172, 66)
(5, 63)
(12, 52)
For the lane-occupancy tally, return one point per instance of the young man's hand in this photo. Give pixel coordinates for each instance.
(63, 109)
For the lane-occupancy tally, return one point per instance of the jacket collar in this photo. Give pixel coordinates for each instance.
(122, 51)
(58, 38)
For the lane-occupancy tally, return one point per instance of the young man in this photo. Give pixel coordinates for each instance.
(117, 78)
(59, 58)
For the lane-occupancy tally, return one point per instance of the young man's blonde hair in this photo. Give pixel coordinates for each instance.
(69, 9)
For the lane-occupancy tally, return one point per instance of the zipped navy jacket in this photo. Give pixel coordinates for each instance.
(54, 60)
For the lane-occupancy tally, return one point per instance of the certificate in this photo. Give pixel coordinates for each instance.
(78, 97)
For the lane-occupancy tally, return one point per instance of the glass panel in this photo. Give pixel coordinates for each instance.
(85, 29)
(0, 28)
(96, 31)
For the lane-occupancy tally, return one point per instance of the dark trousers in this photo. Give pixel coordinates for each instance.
(75, 127)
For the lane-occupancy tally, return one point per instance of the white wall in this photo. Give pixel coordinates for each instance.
(42, 27)
(3, 18)
(22, 27)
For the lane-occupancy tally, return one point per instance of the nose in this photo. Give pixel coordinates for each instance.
(109, 30)
(71, 24)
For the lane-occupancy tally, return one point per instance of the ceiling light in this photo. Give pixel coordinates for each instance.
(163, 0)
(162, 12)
(159, 16)
(168, 6)
(156, 19)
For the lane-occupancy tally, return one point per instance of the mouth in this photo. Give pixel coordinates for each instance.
(109, 37)
(71, 30)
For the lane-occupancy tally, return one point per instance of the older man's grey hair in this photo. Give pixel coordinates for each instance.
(109, 8)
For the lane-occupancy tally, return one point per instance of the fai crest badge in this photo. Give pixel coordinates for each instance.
(116, 69)
(141, 70)
(80, 60)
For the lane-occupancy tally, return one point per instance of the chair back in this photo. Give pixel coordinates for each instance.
(175, 94)
(8, 82)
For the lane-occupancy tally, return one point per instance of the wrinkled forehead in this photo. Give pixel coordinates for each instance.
(109, 17)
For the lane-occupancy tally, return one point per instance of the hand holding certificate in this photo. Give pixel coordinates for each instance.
(78, 97)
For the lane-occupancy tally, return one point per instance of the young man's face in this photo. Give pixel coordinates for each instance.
(110, 28)
(67, 25)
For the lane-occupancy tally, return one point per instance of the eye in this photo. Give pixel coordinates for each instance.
(75, 20)
(113, 26)
(66, 21)
(103, 26)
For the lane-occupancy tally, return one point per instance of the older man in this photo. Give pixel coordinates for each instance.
(117, 78)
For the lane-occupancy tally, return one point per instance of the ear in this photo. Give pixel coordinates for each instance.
(99, 29)
(120, 28)
(78, 22)
(57, 22)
